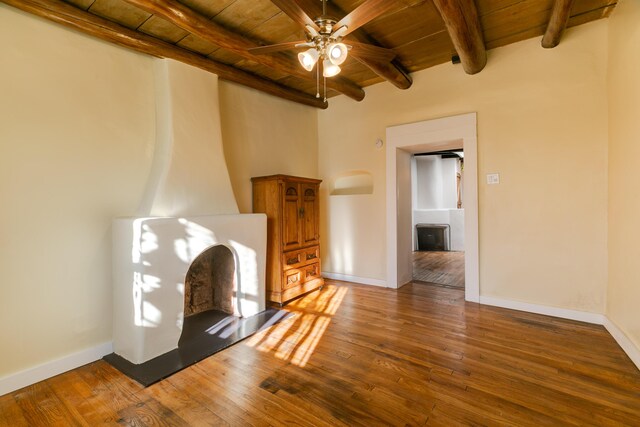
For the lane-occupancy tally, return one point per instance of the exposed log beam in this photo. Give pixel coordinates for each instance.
(70, 16)
(557, 23)
(393, 72)
(376, 53)
(191, 21)
(462, 22)
(403, 81)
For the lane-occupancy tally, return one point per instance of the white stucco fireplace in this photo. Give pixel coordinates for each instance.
(188, 212)
(151, 257)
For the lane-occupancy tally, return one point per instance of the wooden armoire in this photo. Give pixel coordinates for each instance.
(293, 234)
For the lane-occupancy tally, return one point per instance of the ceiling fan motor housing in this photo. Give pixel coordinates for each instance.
(325, 24)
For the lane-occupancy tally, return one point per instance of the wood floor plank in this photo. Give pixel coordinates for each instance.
(261, 400)
(354, 355)
(262, 366)
(10, 412)
(270, 398)
(190, 383)
(183, 405)
(576, 410)
(111, 389)
(350, 385)
(41, 406)
(73, 391)
(445, 415)
(149, 413)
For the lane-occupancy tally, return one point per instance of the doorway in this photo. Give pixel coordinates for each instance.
(403, 142)
(437, 210)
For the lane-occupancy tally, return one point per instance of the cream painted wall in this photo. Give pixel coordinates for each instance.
(624, 169)
(189, 174)
(76, 142)
(542, 124)
(264, 135)
(89, 132)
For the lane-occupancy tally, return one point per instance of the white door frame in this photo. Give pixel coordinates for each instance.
(434, 135)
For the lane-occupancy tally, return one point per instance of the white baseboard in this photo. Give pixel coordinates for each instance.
(623, 341)
(599, 319)
(355, 279)
(582, 316)
(38, 373)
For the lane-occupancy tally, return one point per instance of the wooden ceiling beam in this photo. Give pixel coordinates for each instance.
(393, 72)
(557, 23)
(191, 21)
(462, 22)
(70, 16)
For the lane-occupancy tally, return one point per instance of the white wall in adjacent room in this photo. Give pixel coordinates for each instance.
(436, 183)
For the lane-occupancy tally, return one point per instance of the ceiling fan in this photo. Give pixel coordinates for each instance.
(325, 33)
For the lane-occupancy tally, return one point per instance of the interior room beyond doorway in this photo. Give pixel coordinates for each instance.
(438, 218)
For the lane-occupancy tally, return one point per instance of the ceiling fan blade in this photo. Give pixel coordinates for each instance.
(364, 13)
(295, 12)
(277, 47)
(369, 51)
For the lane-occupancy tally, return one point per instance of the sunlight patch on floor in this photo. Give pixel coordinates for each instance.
(295, 339)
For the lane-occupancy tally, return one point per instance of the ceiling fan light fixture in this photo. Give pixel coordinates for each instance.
(329, 69)
(337, 53)
(308, 58)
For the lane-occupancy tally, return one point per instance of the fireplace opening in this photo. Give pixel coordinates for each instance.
(208, 293)
(433, 237)
(210, 281)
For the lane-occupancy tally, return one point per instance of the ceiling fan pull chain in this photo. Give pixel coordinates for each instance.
(318, 81)
(324, 7)
(325, 89)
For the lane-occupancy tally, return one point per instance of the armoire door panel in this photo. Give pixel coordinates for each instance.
(310, 232)
(291, 218)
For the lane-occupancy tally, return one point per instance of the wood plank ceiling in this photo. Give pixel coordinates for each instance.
(215, 35)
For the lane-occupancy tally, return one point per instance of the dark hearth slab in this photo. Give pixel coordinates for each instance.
(203, 334)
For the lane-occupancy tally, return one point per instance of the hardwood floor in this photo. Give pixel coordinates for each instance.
(442, 268)
(358, 355)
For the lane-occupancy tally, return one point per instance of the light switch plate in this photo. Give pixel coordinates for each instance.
(493, 178)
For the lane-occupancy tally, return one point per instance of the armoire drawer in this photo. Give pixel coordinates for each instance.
(297, 276)
(298, 258)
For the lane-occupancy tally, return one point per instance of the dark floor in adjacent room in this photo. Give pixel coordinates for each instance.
(364, 355)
